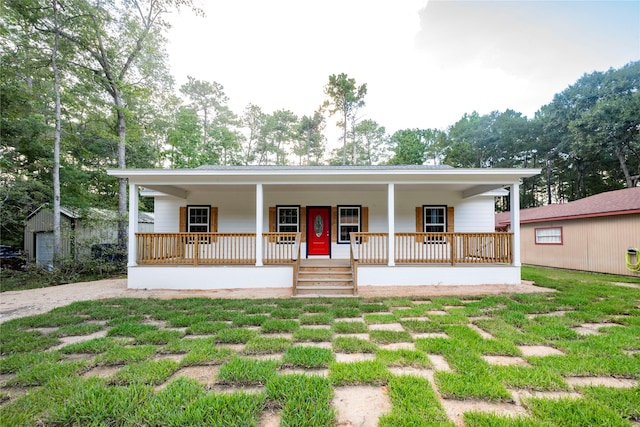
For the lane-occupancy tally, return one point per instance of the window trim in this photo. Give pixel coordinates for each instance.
(338, 223)
(208, 208)
(537, 242)
(297, 207)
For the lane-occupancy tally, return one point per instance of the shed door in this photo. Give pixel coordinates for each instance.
(44, 249)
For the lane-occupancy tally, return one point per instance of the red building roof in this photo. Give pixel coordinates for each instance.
(618, 202)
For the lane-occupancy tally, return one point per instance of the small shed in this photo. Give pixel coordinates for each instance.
(590, 234)
(81, 228)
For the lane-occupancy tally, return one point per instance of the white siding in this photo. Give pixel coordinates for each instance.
(475, 215)
(236, 209)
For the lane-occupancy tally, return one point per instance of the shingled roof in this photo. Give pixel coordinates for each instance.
(618, 202)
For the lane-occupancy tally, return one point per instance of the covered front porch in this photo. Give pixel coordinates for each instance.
(390, 225)
(365, 249)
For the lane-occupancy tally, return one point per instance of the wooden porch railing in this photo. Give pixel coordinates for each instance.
(195, 248)
(280, 248)
(284, 248)
(213, 248)
(434, 248)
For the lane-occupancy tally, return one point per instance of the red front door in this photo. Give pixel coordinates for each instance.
(318, 230)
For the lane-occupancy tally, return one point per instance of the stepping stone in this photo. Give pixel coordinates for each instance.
(361, 405)
(539, 350)
(592, 328)
(420, 302)
(439, 363)
(174, 357)
(455, 409)
(437, 313)
(408, 370)
(73, 339)
(101, 372)
(354, 357)
(205, 375)
(505, 361)
(398, 346)
(484, 334)
(604, 381)
(419, 319)
(386, 327)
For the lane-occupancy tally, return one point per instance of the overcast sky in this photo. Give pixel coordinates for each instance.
(425, 63)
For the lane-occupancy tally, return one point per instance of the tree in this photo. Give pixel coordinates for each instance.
(121, 42)
(310, 140)
(372, 138)
(408, 147)
(346, 98)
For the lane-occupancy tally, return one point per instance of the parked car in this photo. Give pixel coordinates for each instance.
(11, 258)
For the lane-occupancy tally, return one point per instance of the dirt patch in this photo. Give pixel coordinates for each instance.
(102, 372)
(269, 418)
(539, 350)
(360, 406)
(592, 328)
(626, 285)
(604, 381)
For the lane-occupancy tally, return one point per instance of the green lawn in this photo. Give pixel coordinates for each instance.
(141, 348)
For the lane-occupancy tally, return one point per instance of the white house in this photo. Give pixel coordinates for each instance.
(322, 228)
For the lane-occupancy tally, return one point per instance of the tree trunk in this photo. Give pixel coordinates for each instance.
(623, 165)
(122, 182)
(344, 139)
(548, 181)
(57, 230)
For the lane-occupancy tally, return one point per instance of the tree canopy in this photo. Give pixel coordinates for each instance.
(119, 107)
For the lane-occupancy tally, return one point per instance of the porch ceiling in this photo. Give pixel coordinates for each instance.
(183, 191)
(181, 182)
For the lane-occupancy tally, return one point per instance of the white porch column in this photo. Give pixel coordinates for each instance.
(391, 206)
(133, 225)
(259, 217)
(515, 221)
